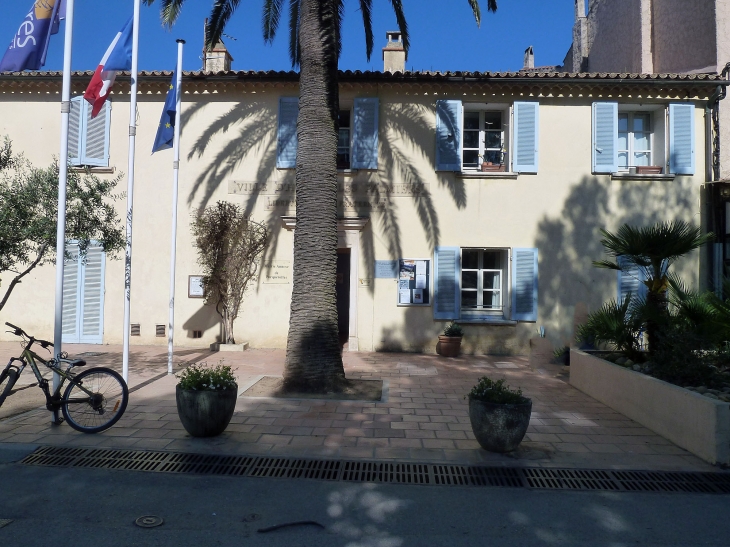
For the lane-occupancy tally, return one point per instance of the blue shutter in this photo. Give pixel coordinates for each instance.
(449, 124)
(365, 142)
(524, 284)
(630, 280)
(605, 138)
(525, 154)
(447, 287)
(75, 127)
(286, 138)
(91, 323)
(95, 144)
(681, 139)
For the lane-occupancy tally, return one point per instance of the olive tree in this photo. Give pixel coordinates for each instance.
(29, 212)
(229, 246)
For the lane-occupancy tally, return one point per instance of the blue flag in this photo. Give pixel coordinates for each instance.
(29, 46)
(166, 129)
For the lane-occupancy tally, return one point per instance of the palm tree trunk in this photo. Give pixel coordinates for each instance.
(313, 358)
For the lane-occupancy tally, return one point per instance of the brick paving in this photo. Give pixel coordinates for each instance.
(423, 418)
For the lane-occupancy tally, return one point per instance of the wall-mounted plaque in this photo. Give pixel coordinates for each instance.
(278, 273)
(195, 286)
(386, 269)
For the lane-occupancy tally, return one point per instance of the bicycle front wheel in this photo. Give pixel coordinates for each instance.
(100, 410)
(8, 378)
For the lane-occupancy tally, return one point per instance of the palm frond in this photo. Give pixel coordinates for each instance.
(169, 10)
(366, 7)
(270, 19)
(606, 264)
(402, 24)
(616, 324)
(220, 14)
(294, 54)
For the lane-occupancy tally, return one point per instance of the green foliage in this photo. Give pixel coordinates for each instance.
(614, 324)
(229, 248)
(453, 329)
(29, 209)
(489, 391)
(201, 377)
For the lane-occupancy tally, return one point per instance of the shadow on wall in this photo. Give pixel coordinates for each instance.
(570, 242)
(204, 319)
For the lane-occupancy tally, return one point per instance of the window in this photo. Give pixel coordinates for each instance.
(88, 138)
(483, 284)
(638, 136)
(482, 275)
(483, 139)
(634, 140)
(503, 136)
(357, 142)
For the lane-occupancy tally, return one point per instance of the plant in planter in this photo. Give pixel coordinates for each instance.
(206, 397)
(450, 341)
(499, 415)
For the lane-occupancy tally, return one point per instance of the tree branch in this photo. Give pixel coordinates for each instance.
(18, 277)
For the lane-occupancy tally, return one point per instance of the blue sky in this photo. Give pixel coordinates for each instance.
(444, 35)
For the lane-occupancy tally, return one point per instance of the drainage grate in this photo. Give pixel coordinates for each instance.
(384, 472)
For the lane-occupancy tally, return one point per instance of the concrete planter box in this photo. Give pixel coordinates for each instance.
(694, 422)
(217, 346)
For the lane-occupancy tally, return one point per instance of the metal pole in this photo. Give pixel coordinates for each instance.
(175, 174)
(62, 179)
(130, 191)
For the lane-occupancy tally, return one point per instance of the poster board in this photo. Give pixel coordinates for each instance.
(414, 282)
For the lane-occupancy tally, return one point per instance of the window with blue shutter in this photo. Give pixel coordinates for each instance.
(525, 153)
(447, 273)
(74, 130)
(88, 139)
(630, 280)
(681, 139)
(286, 138)
(83, 295)
(365, 141)
(605, 137)
(524, 284)
(449, 120)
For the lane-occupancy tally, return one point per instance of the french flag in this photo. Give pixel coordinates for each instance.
(117, 57)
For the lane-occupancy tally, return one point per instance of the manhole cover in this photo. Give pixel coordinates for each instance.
(149, 521)
(252, 517)
(5, 522)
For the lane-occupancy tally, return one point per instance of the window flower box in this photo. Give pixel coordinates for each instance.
(648, 170)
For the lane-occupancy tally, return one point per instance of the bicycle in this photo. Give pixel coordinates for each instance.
(94, 400)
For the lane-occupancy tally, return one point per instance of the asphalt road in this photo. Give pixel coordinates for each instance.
(91, 507)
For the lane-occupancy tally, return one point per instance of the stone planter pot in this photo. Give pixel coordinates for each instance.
(448, 346)
(205, 413)
(499, 427)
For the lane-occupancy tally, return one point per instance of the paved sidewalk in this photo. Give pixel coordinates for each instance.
(423, 419)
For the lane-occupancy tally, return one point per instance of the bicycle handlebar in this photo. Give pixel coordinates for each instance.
(20, 332)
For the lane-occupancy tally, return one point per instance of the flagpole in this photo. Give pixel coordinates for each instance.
(62, 180)
(130, 191)
(175, 174)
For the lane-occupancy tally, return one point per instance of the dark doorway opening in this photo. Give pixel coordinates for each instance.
(343, 295)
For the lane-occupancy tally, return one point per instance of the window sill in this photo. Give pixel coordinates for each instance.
(636, 176)
(93, 169)
(486, 321)
(487, 175)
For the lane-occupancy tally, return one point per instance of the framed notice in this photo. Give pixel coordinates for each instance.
(414, 282)
(195, 286)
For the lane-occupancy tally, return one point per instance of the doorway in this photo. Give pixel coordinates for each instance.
(343, 295)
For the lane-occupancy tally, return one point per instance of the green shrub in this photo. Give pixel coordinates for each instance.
(615, 325)
(489, 391)
(453, 329)
(201, 377)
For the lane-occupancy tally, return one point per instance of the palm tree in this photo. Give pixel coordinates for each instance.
(313, 357)
(651, 250)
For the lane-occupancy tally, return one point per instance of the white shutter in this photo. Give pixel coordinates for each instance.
(681, 139)
(449, 127)
(447, 286)
(95, 144)
(70, 324)
(524, 284)
(75, 130)
(92, 291)
(526, 135)
(286, 138)
(605, 137)
(365, 142)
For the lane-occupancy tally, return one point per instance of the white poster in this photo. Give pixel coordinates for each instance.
(404, 284)
(404, 296)
(420, 267)
(420, 281)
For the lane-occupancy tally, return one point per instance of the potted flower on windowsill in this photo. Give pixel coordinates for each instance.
(450, 341)
(499, 415)
(206, 397)
(487, 166)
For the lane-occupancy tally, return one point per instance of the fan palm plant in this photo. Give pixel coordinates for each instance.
(313, 358)
(651, 250)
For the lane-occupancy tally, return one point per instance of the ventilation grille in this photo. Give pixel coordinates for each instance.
(134, 329)
(160, 330)
(384, 472)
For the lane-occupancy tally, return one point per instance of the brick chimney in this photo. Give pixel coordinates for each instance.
(217, 59)
(394, 56)
(529, 59)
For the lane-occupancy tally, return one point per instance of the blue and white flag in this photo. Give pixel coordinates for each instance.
(29, 46)
(166, 129)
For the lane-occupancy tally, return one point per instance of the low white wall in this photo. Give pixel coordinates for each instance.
(694, 422)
